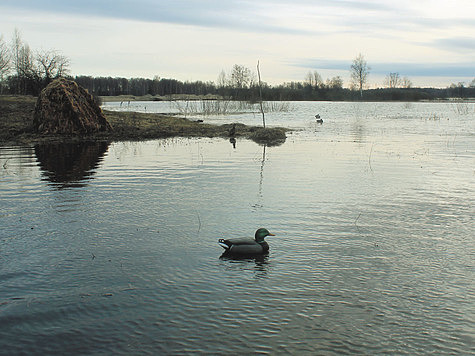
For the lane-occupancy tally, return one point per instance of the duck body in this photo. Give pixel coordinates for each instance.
(245, 245)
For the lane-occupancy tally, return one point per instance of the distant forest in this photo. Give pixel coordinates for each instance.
(293, 91)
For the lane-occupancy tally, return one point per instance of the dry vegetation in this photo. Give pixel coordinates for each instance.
(16, 126)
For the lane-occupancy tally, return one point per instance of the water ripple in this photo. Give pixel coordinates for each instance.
(373, 253)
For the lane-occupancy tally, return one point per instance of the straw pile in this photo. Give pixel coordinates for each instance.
(64, 107)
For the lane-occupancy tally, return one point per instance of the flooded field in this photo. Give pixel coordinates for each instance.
(112, 248)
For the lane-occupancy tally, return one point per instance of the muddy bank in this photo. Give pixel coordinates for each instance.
(16, 127)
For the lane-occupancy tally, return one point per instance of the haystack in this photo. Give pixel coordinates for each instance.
(64, 107)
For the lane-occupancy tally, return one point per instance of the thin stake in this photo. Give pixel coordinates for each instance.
(260, 94)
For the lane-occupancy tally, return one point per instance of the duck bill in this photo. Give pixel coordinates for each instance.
(271, 234)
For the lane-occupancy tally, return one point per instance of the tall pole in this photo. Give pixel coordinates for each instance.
(260, 94)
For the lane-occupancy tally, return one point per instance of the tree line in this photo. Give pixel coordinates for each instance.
(25, 71)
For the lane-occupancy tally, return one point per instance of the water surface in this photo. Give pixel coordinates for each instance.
(111, 248)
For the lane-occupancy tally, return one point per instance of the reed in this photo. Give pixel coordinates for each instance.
(228, 107)
(463, 107)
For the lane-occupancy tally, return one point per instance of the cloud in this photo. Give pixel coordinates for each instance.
(275, 16)
(464, 44)
(404, 69)
(427, 69)
(241, 15)
(287, 34)
(366, 18)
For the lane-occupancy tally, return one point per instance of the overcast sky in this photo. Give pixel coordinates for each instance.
(431, 42)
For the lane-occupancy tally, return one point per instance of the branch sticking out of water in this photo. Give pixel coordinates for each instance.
(356, 222)
(369, 158)
(199, 221)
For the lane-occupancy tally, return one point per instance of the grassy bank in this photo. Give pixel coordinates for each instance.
(16, 119)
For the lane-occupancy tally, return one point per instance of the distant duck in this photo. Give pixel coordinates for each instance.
(232, 131)
(320, 121)
(245, 245)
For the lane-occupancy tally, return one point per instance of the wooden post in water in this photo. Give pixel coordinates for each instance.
(260, 94)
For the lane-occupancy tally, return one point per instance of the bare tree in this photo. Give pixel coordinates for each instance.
(17, 44)
(393, 80)
(317, 78)
(309, 79)
(314, 79)
(222, 79)
(335, 82)
(22, 56)
(23, 63)
(27, 74)
(406, 82)
(359, 72)
(4, 61)
(241, 77)
(51, 65)
(4, 58)
(33, 71)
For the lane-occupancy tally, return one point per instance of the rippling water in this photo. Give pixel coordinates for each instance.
(111, 248)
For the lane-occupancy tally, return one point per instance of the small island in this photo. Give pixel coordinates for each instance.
(17, 127)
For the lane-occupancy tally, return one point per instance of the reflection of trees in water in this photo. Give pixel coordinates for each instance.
(358, 131)
(360, 115)
(70, 163)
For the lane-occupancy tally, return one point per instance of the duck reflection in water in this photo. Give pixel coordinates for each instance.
(232, 134)
(261, 263)
(70, 164)
(232, 131)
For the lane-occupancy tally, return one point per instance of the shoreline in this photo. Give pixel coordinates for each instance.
(16, 127)
(192, 97)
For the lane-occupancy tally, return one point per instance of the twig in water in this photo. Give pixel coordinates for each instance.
(369, 158)
(356, 220)
(199, 221)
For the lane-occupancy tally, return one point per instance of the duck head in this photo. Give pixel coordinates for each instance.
(261, 235)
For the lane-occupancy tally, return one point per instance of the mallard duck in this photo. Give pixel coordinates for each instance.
(246, 245)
